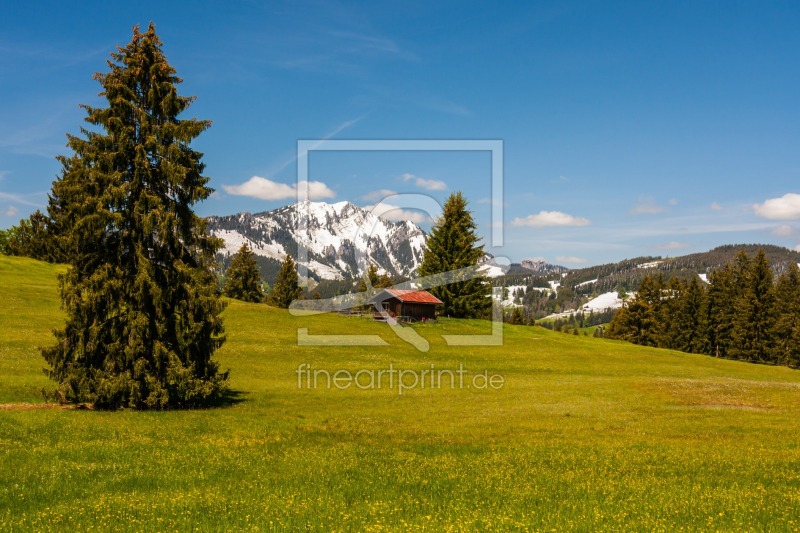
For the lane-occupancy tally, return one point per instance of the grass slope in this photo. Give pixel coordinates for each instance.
(586, 434)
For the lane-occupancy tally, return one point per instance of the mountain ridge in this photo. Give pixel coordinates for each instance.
(547, 294)
(334, 236)
(337, 233)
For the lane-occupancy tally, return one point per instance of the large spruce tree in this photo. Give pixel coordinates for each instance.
(243, 279)
(286, 287)
(452, 245)
(140, 298)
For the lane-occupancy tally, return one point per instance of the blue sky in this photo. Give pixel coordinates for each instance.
(628, 128)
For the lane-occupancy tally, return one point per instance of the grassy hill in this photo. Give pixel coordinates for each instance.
(585, 434)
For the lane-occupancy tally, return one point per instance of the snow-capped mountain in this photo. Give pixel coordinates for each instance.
(333, 234)
(540, 266)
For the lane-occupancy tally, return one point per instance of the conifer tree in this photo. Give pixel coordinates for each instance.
(142, 310)
(786, 332)
(243, 279)
(722, 295)
(34, 238)
(5, 236)
(452, 245)
(667, 313)
(689, 326)
(515, 317)
(286, 287)
(378, 281)
(754, 313)
(652, 292)
(634, 323)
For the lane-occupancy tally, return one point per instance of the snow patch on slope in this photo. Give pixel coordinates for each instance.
(652, 264)
(509, 300)
(604, 302)
(608, 300)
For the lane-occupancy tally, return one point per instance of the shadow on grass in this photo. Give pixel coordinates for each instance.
(57, 400)
(229, 398)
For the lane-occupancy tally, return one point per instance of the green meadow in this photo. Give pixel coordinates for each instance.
(584, 434)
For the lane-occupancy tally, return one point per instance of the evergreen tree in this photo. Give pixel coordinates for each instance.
(452, 245)
(5, 236)
(622, 294)
(667, 313)
(741, 269)
(243, 279)
(377, 281)
(515, 317)
(754, 313)
(722, 295)
(34, 238)
(786, 332)
(652, 292)
(634, 323)
(286, 287)
(689, 326)
(142, 310)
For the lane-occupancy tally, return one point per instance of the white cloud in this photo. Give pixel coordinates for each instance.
(316, 190)
(431, 185)
(377, 196)
(397, 214)
(783, 230)
(11, 211)
(266, 189)
(673, 201)
(715, 206)
(550, 218)
(674, 245)
(797, 248)
(787, 207)
(570, 259)
(647, 207)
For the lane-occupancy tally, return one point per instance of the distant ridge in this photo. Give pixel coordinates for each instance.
(540, 266)
(559, 290)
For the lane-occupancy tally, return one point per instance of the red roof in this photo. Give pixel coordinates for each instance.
(422, 297)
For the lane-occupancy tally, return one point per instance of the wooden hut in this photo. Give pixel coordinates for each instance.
(408, 304)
